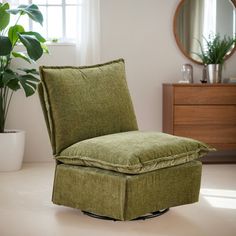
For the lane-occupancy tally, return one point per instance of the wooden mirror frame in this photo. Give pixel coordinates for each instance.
(177, 38)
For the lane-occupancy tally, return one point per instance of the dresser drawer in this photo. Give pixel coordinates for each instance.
(204, 95)
(205, 112)
(208, 133)
(205, 115)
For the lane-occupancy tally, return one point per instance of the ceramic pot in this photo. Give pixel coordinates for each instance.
(12, 145)
(214, 73)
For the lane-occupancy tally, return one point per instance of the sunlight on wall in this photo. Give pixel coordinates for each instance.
(220, 198)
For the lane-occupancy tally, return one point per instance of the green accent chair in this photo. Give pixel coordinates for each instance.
(104, 164)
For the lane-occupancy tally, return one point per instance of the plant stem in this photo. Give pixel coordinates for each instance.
(7, 62)
(5, 99)
(18, 19)
(8, 105)
(2, 122)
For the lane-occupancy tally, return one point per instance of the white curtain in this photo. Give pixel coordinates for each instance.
(88, 40)
(209, 28)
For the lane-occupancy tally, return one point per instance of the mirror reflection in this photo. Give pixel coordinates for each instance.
(199, 19)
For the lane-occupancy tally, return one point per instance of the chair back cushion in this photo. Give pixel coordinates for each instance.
(85, 102)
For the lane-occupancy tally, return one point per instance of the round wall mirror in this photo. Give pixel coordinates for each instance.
(195, 20)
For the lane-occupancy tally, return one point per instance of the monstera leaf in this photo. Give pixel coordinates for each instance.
(4, 16)
(32, 45)
(31, 10)
(10, 80)
(13, 79)
(13, 33)
(29, 84)
(22, 56)
(5, 46)
(36, 35)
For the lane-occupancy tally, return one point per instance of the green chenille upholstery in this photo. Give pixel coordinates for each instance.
(94, 136)
(122, 196)
(133, 152)
(86, 102)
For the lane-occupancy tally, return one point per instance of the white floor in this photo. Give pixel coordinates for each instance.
(26, 209)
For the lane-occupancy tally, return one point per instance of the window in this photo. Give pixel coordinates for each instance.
(61, 18)
(209, 27)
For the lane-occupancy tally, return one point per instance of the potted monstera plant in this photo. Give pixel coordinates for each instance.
(11, 80)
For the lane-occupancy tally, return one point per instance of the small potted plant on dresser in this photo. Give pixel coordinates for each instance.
(11, 80)
(213, 55)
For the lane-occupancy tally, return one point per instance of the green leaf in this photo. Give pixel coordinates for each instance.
(217, 49)
(31, 10)
(8, 76)
(32, 45)
(22, 56)
(13, 33)
(29, 84)
(10, 80)
(14, 84)
(29, 71)
(4, 16)
(19, 9)
(5, 46)
(37, 36)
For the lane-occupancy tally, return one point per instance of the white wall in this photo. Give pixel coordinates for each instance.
(140, 31)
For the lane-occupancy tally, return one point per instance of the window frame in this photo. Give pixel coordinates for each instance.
(64, 39)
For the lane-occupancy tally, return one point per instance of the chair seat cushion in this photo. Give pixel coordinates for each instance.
(133, 152)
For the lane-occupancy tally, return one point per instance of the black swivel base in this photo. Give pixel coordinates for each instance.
(144, 217)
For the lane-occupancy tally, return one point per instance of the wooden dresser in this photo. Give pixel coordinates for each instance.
(205, 112)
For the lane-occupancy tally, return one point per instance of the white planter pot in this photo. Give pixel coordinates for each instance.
(12, 145)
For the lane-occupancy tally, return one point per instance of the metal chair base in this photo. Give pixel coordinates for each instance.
(144, 217)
